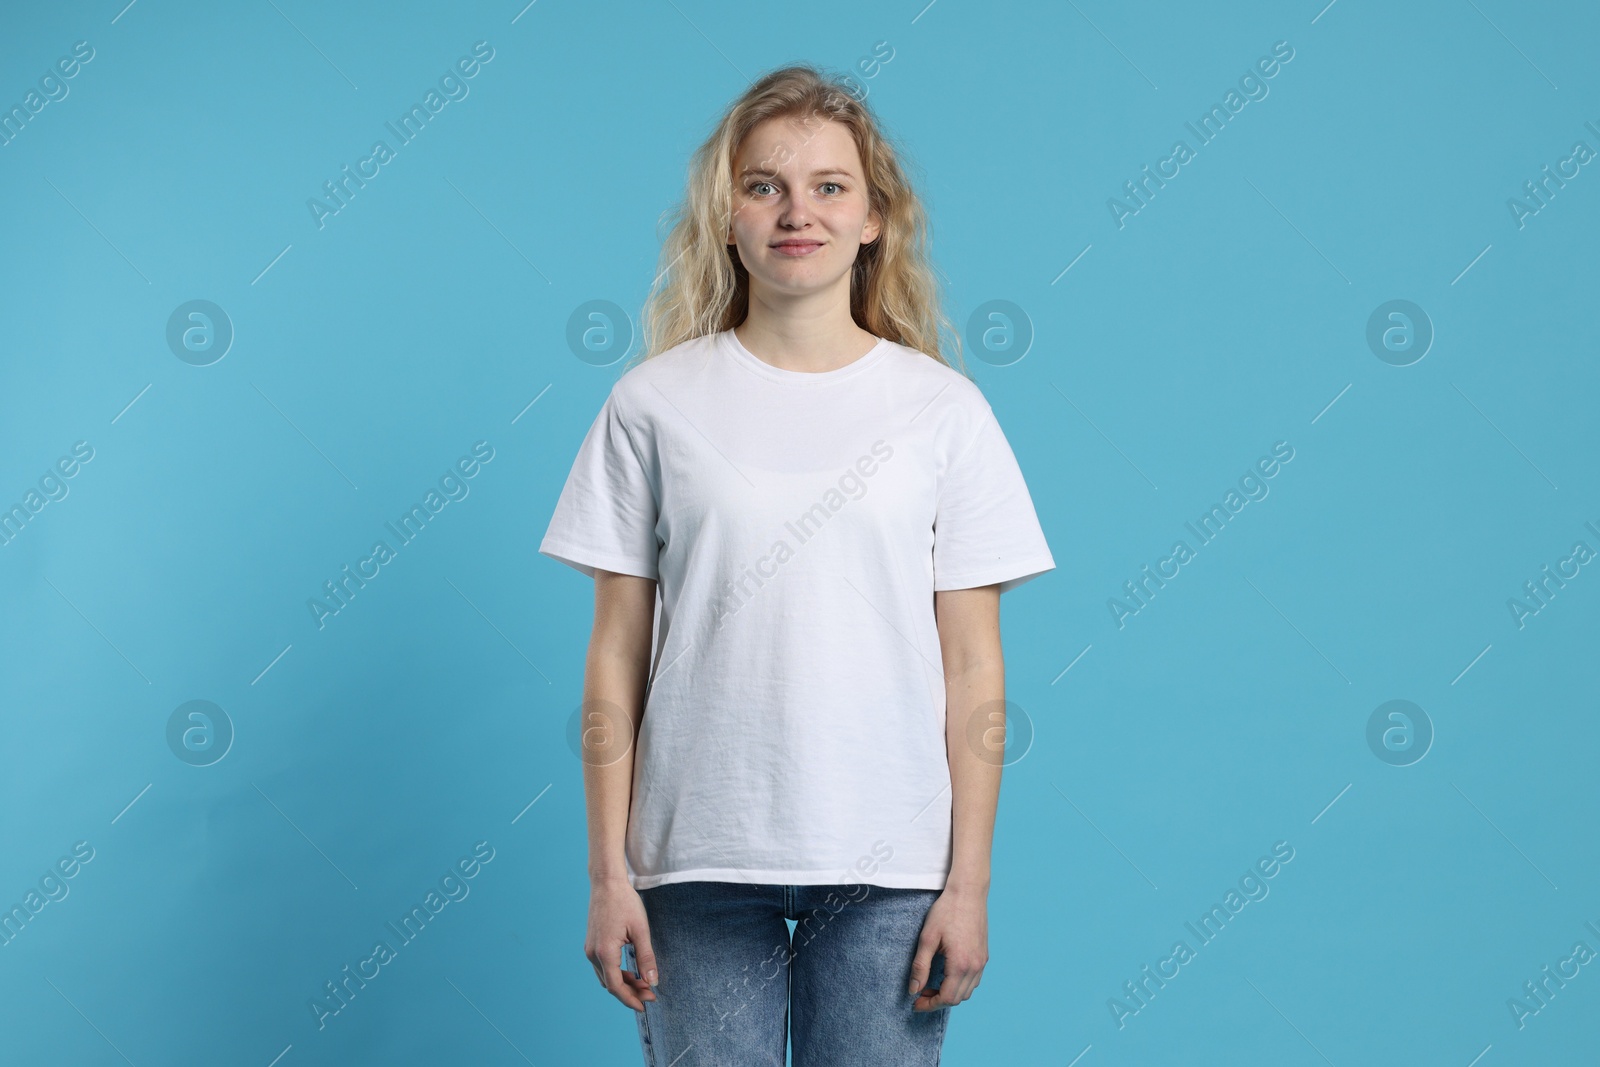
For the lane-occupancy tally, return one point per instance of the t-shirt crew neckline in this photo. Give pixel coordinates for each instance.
(745, 358)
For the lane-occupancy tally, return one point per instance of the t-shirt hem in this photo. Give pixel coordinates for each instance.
(1008, 575)
(886, 879)
(586, 560)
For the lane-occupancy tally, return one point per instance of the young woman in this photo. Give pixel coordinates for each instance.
(799, 519)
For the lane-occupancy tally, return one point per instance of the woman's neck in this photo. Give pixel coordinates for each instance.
(809, 346)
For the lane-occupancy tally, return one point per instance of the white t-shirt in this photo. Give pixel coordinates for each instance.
(797, 525)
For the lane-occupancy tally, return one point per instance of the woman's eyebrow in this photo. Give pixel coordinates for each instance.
(824, 172)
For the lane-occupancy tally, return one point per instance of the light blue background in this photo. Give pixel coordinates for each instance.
(1228, 314)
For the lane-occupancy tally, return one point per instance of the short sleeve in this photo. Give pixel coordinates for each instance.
(605, 516)
(985, 530)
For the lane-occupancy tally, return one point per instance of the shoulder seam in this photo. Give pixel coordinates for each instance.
(624, 419)
(959, 456)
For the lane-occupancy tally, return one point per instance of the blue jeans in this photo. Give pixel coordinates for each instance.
(731, 976)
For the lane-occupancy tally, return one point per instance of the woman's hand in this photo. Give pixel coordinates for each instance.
(617, 915)
(958, 926)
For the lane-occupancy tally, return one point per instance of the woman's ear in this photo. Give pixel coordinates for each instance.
(872, 230)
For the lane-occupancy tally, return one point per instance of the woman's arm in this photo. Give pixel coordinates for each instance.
(975, 688)
(975, 680)
(615, 672)
(614, 677)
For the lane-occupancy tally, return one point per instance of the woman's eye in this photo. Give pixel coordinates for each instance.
(762, 188)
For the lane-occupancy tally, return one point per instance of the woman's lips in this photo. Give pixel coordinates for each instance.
(801, 249)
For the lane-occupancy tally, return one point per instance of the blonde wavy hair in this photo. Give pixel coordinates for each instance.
(701, 287)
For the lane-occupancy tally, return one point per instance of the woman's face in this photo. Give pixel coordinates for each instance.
(800, 210)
